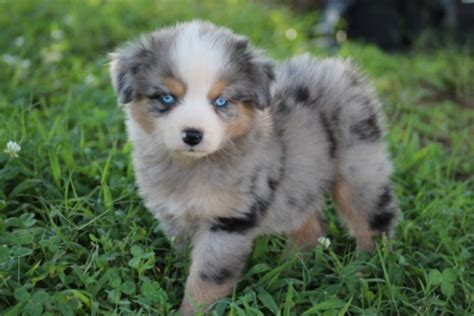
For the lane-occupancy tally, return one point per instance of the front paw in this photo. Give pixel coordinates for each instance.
(186, 309)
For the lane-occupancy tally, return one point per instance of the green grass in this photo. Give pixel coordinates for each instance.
(76, 239)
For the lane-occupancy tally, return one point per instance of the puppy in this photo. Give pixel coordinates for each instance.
(227, 147)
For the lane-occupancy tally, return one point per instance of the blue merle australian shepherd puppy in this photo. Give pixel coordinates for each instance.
(228, 146)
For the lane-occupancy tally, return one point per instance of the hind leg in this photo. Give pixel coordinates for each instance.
(307, 235)
(363, 193)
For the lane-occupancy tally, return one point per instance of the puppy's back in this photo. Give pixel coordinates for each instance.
(335, 91)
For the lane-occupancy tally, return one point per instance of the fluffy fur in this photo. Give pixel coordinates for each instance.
(289, 134)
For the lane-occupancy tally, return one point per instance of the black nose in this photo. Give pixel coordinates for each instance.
(191, 136)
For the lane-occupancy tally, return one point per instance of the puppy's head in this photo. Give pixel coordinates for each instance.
(193, 87)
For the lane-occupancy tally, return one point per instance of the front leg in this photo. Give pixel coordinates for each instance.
(176, 235)
(218, 258)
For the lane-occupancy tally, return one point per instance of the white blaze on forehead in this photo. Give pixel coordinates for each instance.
(197, 58)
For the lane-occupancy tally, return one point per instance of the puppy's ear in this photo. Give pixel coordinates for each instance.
(263, 78)
(257, 71)
(121, 77)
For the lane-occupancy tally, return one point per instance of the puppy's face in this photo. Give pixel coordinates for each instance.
(193, 88)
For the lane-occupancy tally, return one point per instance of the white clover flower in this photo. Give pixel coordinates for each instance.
(51, 55)
(12, 149)
(90, 80)
(9, 59)
(57, 35)
(22, 64)
(19, 41)
(325, 242)
(68, 20)
(25, 64)
(291, 34)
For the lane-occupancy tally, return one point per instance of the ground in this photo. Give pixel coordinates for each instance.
(76, 239)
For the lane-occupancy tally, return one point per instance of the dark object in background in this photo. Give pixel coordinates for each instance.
(465, 22)
(396, 24)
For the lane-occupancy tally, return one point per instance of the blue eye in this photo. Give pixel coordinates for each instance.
(167, 99)
(221, 102)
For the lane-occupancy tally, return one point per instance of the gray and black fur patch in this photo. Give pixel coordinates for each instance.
(218, 277)
(126, 95)
(367, 129)
(236, 224)
(331, 138)
(281, 109)
(385, 213)
(261, 200)
(303, 202)
(292, 201)
(257, 208)
(273, 183)
(302, 94)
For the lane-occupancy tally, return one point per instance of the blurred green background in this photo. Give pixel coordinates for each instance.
(76, 239)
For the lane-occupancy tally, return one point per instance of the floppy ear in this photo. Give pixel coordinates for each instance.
(256, 69)
(264, 76)
(121, 74)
